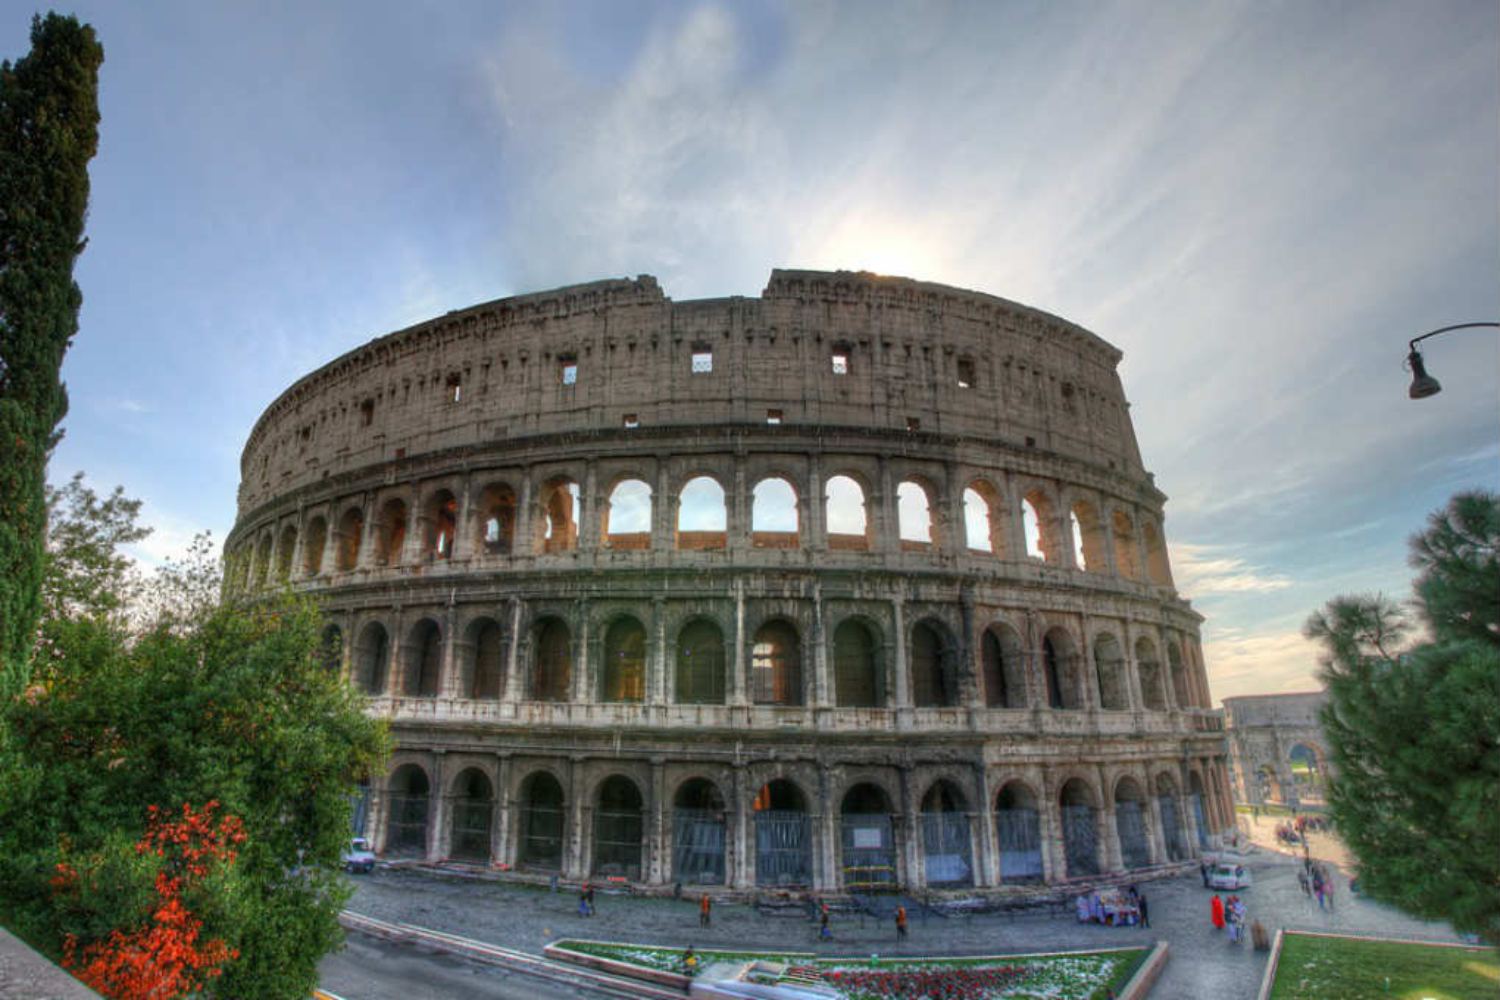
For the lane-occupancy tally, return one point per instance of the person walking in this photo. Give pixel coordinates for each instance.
(705, 908)
(1203, 870)
(1328, 888)
(588, 892)
(583, 902)
(1317, 885)
(1216, 912)
(1303, 883)
(1140, 901)
(824, 934)
(900, 922)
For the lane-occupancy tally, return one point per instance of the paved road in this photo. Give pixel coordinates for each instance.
(1203, 963)
(370, 969)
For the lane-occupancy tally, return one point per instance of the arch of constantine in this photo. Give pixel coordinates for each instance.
(1277, 749)
(860, 583)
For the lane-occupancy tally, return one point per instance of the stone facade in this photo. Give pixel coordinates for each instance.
(858, 583)
(1267, 734)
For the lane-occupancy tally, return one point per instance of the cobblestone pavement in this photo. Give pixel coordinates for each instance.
(1203, 962)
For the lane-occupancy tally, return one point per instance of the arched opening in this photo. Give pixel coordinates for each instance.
(559, 515)
(1307, 771)
(263, 562)
(313, 544)
(286, 546)
(627, 516)
(1269, 784)
(702, 520)
(914, 516)
(1018, 828)
(1179, 675)
(981, 528)
(618, 828)
(1156, 556)
(351, 532)
(946, 844)
(623, 673)
(1109, 667)
(1039, 527)
(1080, 822)
(331, 649)
(372, 659)
(1088, 537)
(1153, 694)
(391, 536)
(540, 832)
(408, 809)
(485, 676)
(783, 836)
(1127, 553)
(552, 661)
(700, 664)
(773, 515)
(497, 519)
(1130, 824)
(698, 833)
(439, 526)
(857, 678)
(1060, 671)
(776, 665)
(933, 683)
(1171, 823)
(867, 836)
(848, 519)
(424, 660)
(473, 814)
(1004, 667)
(1195, 803)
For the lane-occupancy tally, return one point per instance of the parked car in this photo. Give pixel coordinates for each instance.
(1229, 876)
(358, 858)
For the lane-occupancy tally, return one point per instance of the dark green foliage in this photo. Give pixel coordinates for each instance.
(1415, 732)
(49, 130)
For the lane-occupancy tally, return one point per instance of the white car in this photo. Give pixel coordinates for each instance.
(1229, 876)
(358, 858)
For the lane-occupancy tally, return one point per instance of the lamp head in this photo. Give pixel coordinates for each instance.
(1422, 384)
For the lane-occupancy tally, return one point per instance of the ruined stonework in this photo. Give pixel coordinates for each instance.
(1277, 748)
(739, 591)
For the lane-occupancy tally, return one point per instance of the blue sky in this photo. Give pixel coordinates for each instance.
(1258, 203)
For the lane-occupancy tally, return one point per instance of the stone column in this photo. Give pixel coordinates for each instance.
(1107, 536)
(955, 529)
(1062, 534)
(524, 542)
(573, 852)
(658, 662)
(1158, 828)
(1089, 670)
(448, 679)
(815, 498)
(825, 873)
(583, 687)
(590, 509)
(902, 686)
(987, 860)
(888, 528)
(970, 690)
(1110, 842)
(502, 852)
(737, 669)
(1054, 857)
(1013, 534)
(663, 512)
(299, 542)
(515, 684)
(371, 533)
(330, 563)
(656, 836)
(437, 810)
(411, 545)
(738, 514)
(740, 872)
(916, 871)
(464, 540)
(821, 686)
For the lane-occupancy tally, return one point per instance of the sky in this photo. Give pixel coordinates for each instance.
(1258, 203)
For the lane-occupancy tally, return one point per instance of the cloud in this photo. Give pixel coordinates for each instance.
(1200, 570)
(1267, 661)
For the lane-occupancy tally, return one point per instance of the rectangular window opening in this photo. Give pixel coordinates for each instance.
(913, 424)
(568, 368)
(841, 362)
(367, 413)
(773, 417)
(631, 420)
(703, 359)
(454, 389)
(965, 373)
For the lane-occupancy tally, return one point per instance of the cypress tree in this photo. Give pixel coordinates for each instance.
(49, 130)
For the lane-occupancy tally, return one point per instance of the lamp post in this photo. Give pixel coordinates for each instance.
(1423, 384)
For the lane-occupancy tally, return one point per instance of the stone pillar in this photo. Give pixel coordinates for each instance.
(663, 512)
(955, 529)
(737, 669)
(916, 871)
(740, 871)
(658, 662)
(824, 822)
(583, 687)
(438, 810)
(1062, 533)
(464, 535)
(376, 824)
(1158, 828)
(1110, 842)
(987, 859)
(299, 542)
(902, 685)
(888, 530)
(1088, 670)
(502, 851)
(656, 835)
(411, 545)
(524, 542)
(1012, 532)
(368, 544)
(1054, 857)
(330, 563)
(515, 684)
(1107, 536)
(573, 851)
(816, 501)
(738, 514)
(821, 685)
(590, 510)
(448, 679)
(970, 690)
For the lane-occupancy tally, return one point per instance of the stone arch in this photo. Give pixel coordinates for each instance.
(916, 500)
(1060, 674)
(372, 659)
(1018, 829)
(774, 520)
(1171, 820)
(947, 844)
(1004, 660)
(409, 799)
(1157, 568)
(776, 664)
(626, 519)
(1078, 804)
(390, 535)
(314, 541)
(551, 660)
(351, 535)
(1088, 537)
(846, 513)
(1153, 693)
(783, 835)
(934, 665)
(1039, 526)
(699, 832)
(619, 828)
(423, 675)
(439, 525)
(331, 649)
(1308, 765)
(858, 678)
(557, 527)
(483, 664)
(541, 822)
(286, 546)
(1109, 668)
(622, 673)
(1127, 551)
(496, 516)
(702, 515)
(984, 527)
(867, 838)
(701, 666)
(473, 816)
(1132, 823)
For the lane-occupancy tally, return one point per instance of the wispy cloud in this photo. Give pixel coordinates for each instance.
(1268, 661)
(1200, 570)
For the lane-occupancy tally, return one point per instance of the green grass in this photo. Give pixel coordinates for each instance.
(1317, 968)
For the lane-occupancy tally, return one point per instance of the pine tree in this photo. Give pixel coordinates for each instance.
(49, 130)
(1414, 730)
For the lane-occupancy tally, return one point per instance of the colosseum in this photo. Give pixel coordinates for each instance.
(857, 584)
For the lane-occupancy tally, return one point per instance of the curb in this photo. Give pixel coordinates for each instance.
(1139, 985)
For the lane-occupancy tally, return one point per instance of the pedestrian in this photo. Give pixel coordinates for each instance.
(900, 922)
(689, 962)
(1140, 901)
(583, 903)
(1303, 884)
(1317, 885)
(705, 906)
(554, 881)
(1216, 912)
(588, 891)
(1328, 890)
(1203, 870)
(824, 934)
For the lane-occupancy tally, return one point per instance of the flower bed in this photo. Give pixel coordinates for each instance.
(1069, 976)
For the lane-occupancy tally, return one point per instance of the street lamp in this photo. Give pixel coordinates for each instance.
(1423, 384)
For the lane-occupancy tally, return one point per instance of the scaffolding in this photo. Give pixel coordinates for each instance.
(1195, 803)
(408, 824)
(698, 846)
(541, 836)
(1081, 840)
(948, 848)
(783, 848)
(1131, 825)
(869, 852)
(617, 843)
(471, 829)
(1020, 834)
